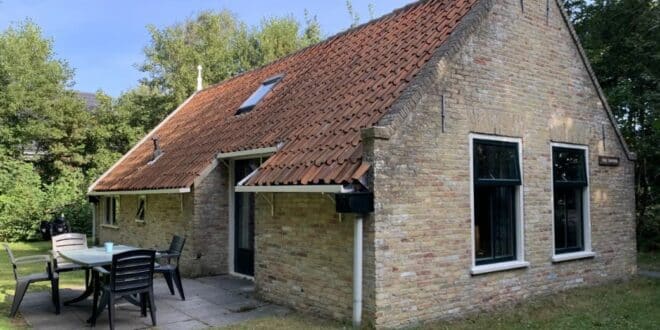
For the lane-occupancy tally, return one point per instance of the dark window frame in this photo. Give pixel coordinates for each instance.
(110, 211)
(268, 84)
(579, 188)
(496, 182)
(512, 186)
(140, 214)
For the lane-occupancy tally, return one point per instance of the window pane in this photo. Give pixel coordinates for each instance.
(495, 227)
(482, 224)
(568, 220)
(108, 209)
(496, 161)
(140, 210)
(252, 101)
(569, 166)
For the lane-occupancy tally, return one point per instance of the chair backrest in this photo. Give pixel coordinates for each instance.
(11, 259)
(65, 242)
(132, 271)
(176, 246)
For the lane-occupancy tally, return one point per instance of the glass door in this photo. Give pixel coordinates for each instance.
(244, 220)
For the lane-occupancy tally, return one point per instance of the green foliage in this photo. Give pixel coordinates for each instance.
(70, 145)
(621, 40)
(25, 202)
(222, 44)
(37, 111)
(21, 200)
(355, 17)
(67, 196)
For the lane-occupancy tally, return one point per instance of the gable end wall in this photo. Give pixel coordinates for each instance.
(516, 76)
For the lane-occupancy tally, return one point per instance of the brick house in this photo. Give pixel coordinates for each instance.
(477, 127)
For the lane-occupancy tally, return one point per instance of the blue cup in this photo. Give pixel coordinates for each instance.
(108, 247)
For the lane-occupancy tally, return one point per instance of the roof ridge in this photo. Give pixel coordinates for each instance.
(334, 89)
(323, 42)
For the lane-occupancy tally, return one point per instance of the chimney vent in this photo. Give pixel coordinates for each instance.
(157, 150)
(199, 78)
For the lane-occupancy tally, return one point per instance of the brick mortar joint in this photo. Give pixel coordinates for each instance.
(411, 96)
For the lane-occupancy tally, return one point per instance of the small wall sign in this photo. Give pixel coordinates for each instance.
(608, 161)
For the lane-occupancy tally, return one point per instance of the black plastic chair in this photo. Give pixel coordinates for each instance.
(24, 281)
(170, 269)
(131, 273)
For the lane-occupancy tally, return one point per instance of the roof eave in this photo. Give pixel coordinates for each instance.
(251, 153)
(93, 185)
(140, 192)
(312, 188)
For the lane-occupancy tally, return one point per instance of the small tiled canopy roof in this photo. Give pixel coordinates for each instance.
(329, 93)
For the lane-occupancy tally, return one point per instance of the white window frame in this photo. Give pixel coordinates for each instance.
(144, 212)
(586, 206)
(520, 224)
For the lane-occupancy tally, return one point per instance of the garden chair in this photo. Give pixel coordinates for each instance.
(24, 281)
(65, 242)
(131, 273)
(170, 269)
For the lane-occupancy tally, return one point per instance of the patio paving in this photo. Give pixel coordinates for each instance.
(210, 302)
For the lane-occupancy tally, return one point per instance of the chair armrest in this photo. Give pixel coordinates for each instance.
(32, 259)
(101, 270)
(167, 254)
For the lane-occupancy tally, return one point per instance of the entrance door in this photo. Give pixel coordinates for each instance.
(244, 220)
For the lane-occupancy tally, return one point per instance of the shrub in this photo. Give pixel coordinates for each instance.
(21, 200)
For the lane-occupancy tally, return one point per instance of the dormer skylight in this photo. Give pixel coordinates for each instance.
(259, 94)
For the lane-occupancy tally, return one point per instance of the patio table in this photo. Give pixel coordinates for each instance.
(96, 257)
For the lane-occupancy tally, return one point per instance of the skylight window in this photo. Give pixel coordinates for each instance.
(259, 94)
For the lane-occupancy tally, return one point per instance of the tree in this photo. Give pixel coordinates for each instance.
(37, 108)
(222, 44)
(355, 17)
(621, 40)
(115, 126)
(21, 200)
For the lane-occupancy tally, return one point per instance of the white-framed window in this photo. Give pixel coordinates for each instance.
(571, 226)
(141, 208)
(496, 181)
(109, 210)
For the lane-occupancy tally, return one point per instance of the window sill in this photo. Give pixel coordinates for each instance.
(498, 267)
(572, 256)
(109, 226)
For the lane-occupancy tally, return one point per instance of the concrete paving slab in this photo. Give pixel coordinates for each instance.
(211, 302)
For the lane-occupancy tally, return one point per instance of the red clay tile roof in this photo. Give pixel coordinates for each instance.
(330, 91)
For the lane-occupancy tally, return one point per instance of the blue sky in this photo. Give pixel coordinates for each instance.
(103, 40)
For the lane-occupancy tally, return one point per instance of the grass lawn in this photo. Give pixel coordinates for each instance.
(634, 304)
(7, 283)
(649, 261)
(628, 305)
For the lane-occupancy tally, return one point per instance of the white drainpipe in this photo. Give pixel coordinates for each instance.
(357, 272)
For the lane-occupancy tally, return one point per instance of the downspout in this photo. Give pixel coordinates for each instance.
(357, 271)
(360, 204)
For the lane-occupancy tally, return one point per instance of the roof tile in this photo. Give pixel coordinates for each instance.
(329, 92)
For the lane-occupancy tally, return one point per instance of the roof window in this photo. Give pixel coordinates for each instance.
(259, 94)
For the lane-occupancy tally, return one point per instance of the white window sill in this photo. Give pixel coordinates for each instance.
(109, 226)
(572, 256)
(498, 267)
